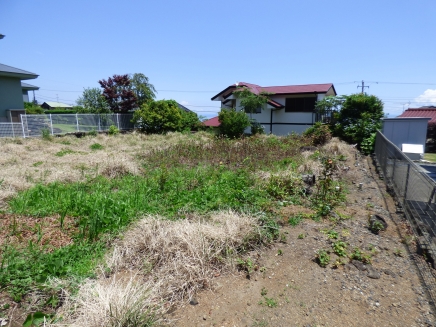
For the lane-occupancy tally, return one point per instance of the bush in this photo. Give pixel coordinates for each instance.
(33, 109)
(319, 134)
(359, 119)
(233, 123)
(190, 121)
(256, 128)
(159, 117)
(113, 130)
(59, 111)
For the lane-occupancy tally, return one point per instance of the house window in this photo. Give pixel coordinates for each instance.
(257, 111)
(300, 104)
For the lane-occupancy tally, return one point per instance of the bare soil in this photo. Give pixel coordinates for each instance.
(289, 288)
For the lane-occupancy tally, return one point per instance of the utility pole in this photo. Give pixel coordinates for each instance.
(362, 86)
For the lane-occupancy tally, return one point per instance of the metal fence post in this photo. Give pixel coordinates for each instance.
(118, 121)
(99, 129)
(407, 182)
(22, 125)
(51, 125)
(77, 122)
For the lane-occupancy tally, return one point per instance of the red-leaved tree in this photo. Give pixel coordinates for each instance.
(118, 93)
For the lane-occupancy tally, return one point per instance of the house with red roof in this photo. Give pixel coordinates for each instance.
(290, 108)
(422, 112)
(213, 122)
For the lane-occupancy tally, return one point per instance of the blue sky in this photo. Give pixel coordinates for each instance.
(192, 49)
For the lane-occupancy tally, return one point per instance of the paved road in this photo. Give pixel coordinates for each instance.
(430, 170)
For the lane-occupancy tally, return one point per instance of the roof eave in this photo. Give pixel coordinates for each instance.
(19, 76)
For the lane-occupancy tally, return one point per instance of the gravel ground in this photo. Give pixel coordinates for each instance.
(289, 288)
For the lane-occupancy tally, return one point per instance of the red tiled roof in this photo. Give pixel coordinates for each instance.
(287, 89)
(420, 112)
(213, 122)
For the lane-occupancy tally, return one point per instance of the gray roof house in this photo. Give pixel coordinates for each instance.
(11, 92)
(26, 88)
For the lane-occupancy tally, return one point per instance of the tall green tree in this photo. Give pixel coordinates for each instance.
(93, 101)
(251, 102)
(143, 89)
(359, 119)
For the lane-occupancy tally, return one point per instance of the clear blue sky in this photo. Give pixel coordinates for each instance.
(192, 49)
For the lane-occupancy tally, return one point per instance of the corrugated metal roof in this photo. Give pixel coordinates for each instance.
(26, 86)
(420, 112)
(57, 104)
(6, 70)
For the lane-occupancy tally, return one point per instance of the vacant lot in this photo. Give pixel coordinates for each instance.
(127, 230)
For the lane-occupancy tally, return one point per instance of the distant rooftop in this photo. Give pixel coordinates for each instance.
(53, 104)
(29, 87)
(213, 122)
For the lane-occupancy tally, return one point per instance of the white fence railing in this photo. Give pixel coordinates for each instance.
(56, 124)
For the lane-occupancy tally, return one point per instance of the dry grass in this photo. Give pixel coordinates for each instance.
(183, 255)
(116, 302)
(25, 162)
(157, 264)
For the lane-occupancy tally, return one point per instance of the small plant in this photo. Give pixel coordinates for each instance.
(339, 262)
(295, 220)
(323, 258)
(45, 133)
(376, 226)
(263, 292)
(269, 302)
(279, 252)
(92, 132)
(36, 319)
(398, 253)
(340, 247)
(113, 130)
(357, 254)
(332, 234)
(38, 163)
(246, 265)
(345, 233)
(301, 236)
(282, 238)
(96, 146)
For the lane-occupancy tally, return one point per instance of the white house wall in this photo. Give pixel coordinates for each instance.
(11, 96)
(283, 123)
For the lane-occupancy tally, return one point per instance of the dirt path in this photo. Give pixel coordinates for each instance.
(289, 288)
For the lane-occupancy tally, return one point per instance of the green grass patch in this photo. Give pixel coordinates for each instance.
(96, 146)
(22, 270)
(430, 157)
(105, 205)
(63, 152)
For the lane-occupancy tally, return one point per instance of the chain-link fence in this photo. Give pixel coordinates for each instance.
(414, 191)
(11, 130)
(54, 124)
